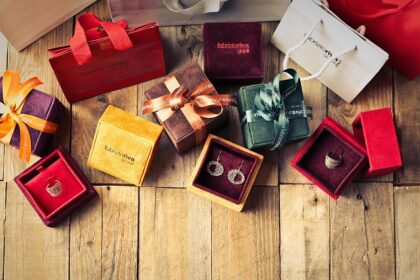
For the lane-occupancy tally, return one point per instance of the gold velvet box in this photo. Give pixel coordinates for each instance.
(220, 187)
(124, 145)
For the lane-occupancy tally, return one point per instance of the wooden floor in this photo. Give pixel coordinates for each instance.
(290, 229)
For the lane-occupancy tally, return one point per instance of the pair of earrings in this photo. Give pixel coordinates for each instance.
(232, 174)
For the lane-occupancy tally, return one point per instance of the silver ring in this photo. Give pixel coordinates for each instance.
(332, 163)
(54, 188)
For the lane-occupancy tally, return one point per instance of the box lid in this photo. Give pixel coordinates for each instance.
(375, 130)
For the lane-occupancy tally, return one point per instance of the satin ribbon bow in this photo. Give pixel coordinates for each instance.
(270, 106)
(14, 97)
(195, 104)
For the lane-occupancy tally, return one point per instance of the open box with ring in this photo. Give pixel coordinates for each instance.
(55, 187)
(225, 172)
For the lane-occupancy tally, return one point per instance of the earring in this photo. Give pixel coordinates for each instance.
(232, 174)
(218, 167)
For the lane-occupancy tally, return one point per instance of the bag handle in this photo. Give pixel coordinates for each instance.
(322, 69)
(201, 7)
(79, 43)
(384, 12)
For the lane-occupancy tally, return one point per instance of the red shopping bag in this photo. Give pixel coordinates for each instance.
(394, 25)
(105, 56)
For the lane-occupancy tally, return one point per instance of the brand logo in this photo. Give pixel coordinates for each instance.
(124, 156)
(240, 48)
(326, 52)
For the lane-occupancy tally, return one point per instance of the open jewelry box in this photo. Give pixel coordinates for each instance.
(55, 186)
(331, 142)
(225, 172)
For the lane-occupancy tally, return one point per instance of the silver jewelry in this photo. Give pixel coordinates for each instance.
(331, 162)
(54, 187)
(232, 174)
(218, 167)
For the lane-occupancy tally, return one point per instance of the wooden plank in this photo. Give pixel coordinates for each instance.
(3, 66)
(86, 113)
(377, 95)
(2, 224)
(32, 250)
(175, 235)
(246, 245)
(407, 228)
(315, 95)
(407, 118)
(33, 61)
(305, 232)
(362, 233)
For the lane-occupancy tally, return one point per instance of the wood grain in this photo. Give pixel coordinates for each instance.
(407, 115)
(407, 228)
(3, 66)
(305, 232)
(175, 235)
(246, 245)
(32, 250)
(362, 235)
(2, 223)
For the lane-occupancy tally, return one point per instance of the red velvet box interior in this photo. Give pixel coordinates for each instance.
(313, 161)
(35, 183)
(230, 158)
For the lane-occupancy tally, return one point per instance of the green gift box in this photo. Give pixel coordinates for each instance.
(273, 114)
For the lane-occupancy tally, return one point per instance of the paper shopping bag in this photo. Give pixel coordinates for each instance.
(341, 58)
(106, 56)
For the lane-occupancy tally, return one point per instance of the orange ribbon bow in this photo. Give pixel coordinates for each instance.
(195, 105)
(14, 97)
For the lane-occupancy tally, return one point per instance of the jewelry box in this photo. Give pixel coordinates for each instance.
(331, 158)
(225, 173)
(55, 187)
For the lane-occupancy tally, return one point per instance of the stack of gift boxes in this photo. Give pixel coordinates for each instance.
(189, 109)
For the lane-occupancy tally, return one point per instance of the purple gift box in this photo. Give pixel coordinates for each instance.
(41, 105)
(233, 52)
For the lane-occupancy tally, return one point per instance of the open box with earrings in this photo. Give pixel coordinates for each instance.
(225, 172)
(55, 187)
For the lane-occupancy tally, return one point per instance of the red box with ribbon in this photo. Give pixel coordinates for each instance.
(29, 118)
(188, 106)
(105, 56)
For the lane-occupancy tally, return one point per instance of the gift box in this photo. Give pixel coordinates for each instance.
(225, 173)
(233, 52)
(124, 145)
(188, 106)
(55, 187)
(330, 139)
(375, 130)
(38, 113)
(273, 114)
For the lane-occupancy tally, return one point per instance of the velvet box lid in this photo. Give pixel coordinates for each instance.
(41, 105)
(375, 130)
(74, 188)
(177, 127)
(124, 145)
(330, 137)
(220, 189)
(233, 52)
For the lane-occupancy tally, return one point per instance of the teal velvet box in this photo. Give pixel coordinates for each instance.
(261, 134)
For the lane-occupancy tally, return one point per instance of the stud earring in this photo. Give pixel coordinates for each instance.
(232, 174)
(218, 167)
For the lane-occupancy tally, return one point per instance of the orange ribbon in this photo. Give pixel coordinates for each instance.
(14, 97)
(195, 105)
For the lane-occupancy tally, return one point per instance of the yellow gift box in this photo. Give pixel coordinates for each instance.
(124, 145)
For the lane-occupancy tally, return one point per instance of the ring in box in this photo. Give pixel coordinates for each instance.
(330, 139)
(224, 159)
(55, 186)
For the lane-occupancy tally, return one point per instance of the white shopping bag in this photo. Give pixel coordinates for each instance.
(341, 58)
(195, 7)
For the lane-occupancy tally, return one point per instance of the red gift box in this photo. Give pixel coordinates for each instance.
(330, 137)
(106, 56)
(55, 186)
(375, 130)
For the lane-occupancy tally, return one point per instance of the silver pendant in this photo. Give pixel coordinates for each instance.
(218, 167)
(232, 174)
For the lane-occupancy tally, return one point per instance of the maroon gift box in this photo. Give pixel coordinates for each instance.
(375, 130)
(233, 52)
(44, 106)
(60, 172)
(310, 160)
